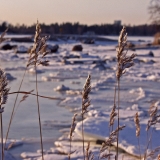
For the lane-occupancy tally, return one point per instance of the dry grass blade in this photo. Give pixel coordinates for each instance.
(24, 92)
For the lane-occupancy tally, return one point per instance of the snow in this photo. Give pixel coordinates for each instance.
(65, 77)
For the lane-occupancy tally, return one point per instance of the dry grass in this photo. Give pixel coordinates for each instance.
(85, 103)
(124, 61)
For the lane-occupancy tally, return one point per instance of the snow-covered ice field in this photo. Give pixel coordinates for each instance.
(64, 78)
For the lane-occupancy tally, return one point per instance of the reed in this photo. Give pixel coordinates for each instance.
(37, 54)
(124, 61)
(3, 100)
(3, 95)
(85, 104)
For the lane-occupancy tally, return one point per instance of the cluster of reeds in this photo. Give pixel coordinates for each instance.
(37, 55)
(124, 61)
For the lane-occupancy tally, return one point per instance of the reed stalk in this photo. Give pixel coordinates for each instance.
(37, 55)
(3, 99)
(123, 62)
(39, 116)
(85, 105)
(13, 110)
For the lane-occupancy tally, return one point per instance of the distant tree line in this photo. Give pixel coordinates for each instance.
(76, 28)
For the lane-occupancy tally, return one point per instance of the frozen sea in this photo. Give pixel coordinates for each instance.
(64, 80)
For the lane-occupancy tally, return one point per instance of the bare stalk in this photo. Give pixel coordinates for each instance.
(83, 139)
(118, 117)
(139, 147)
(39, 116)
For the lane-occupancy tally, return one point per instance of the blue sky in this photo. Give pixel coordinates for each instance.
(82, 11)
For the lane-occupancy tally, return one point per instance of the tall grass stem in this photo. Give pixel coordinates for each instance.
(12, 114)
(39, 117)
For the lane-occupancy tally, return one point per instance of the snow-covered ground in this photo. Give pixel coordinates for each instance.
(64, 78)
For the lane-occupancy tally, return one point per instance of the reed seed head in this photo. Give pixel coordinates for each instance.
(85, 94)
(38, 51)
(154, 116)
(136, 121)
(152, 154)
(72, 126)
(3, 88)
(112, 138)
(123, 61)
(112, 115)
